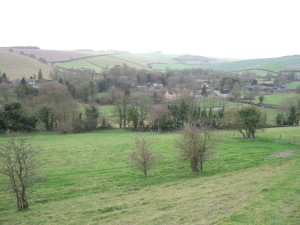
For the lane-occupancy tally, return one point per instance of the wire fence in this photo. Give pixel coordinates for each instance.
(293, 139)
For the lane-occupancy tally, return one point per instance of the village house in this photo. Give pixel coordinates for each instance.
(158, 85)
(220, 94)
(31, 82)
(177, 93)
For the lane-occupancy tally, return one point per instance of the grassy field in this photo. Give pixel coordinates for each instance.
(176, 66)
(78, 64)
(145, 59)
(99, 63)
(275, 64)
(293, 85)
(140, 61)
(107, 111)
(17, 66)
(90, 181)
(110, 61)
(276, 99)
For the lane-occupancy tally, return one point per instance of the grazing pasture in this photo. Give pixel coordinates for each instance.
(78, 64)
(276, 99)
(150, 58)
(89, 180)
(274, 64)
(176, 66)
(293, 85)
(110, 61)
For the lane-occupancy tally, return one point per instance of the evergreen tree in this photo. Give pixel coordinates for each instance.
(4, 78)
(293, 116)
(40, 75)
(45, 115)
(92, 115)
(13, 118)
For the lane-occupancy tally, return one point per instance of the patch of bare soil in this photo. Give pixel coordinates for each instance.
(284, 154)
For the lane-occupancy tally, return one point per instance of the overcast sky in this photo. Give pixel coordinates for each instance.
(221, 28)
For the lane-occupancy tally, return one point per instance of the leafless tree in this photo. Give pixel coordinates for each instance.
(142, 158)
(194, 143)
(18, 163)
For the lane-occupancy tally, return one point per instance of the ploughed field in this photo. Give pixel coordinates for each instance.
(89, 180)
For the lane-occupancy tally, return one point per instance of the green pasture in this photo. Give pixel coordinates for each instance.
(175, 66)
(78, 64)
(276, 99)
(146, 59)
(274, 64)
(111, 61)
(293, 85)
(106, 110)
(89, 180)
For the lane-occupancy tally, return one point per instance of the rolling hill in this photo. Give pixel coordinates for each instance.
(152, 61)
(274, 64)
(52, 55)
(18, 66)
(26, 62)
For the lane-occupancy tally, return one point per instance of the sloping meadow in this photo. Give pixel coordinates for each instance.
(89, 180)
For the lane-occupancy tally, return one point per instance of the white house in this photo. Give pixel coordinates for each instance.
(175, 94)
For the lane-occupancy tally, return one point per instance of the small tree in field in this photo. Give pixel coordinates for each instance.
(142, 158)
(247, 120)
(18, 163)
(194, 144)
(261, 99)
(251, 120)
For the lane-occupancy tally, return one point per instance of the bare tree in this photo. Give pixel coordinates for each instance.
(194, 143)
(142, 158)
(18, 163)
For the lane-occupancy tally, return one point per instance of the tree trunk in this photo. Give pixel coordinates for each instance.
(145, 172)
(253, 133)
(242, 134)
(194, 165)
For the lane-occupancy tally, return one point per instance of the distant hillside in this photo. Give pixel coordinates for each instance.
(18, 66)
(274, 64)
(52, 55)
(101, 60)
(27, 61)
(151, 61)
